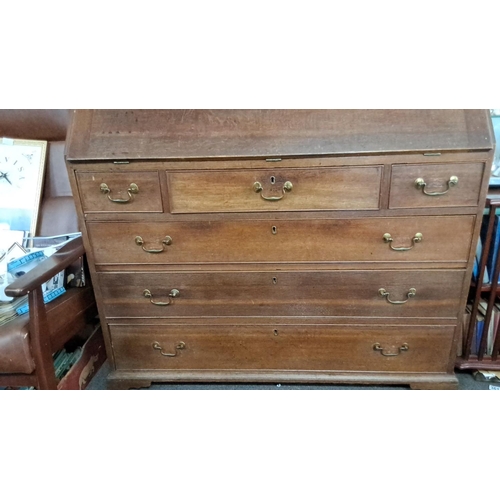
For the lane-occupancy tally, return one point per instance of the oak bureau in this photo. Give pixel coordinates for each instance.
(298, 246)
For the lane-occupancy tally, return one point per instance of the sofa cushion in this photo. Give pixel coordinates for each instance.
(37, 124)
(15, 354)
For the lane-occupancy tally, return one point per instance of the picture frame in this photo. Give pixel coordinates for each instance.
(22, 171)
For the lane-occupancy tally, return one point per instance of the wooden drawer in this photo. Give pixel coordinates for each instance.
(438, 178)
(322, 293)
(361, 348)
(128, 191)
(353, 188)
(444, 239)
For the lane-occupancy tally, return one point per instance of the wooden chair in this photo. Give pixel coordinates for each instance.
(28, 342)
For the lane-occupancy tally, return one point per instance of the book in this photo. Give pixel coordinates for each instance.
(482, 307)
(478, 333)
(477, 262)
(495, 321)
(475, 269)
(495, 244)
(26, 263)
(8, 309)
(48, 296)
(463, 332)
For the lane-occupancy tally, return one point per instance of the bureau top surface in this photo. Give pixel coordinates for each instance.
(211, 134)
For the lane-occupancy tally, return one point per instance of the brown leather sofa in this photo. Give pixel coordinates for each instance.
(28, 342)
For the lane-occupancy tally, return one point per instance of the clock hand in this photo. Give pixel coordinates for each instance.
(4, 176)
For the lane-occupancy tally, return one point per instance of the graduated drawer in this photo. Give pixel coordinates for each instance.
(436, 185)
(322, 293)
(119, 191)
(359, 348)
(349, 188)
(444, 239)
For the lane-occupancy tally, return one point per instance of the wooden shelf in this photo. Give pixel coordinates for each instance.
(488, 292)
(485, 288)
(473, 363)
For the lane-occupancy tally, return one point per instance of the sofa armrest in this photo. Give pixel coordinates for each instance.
(47, 269)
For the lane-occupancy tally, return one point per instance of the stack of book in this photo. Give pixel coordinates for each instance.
(8, 310)
(51, 289)
(63, 361)
(17, 261)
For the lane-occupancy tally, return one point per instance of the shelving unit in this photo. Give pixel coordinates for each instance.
(488, 292)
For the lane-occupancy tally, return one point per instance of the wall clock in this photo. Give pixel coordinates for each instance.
(22, 166)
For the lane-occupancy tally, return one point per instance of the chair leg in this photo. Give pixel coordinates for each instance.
(40, 341)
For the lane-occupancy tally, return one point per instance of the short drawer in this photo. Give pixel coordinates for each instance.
(436, 185)
(362, 348)
(349, 188)
(439, 239)
(416, 294)
(120, 191)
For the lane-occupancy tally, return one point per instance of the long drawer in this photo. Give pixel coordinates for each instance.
(349, 188)
(374, 239)
(282, 347)
(432, 293)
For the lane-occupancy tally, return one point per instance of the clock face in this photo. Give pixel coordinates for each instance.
(19, 171)
(14, 170)
(21, 178)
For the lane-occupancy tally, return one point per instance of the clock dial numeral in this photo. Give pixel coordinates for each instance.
(28, 156)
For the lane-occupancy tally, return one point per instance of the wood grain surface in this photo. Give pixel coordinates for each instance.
(285, 289)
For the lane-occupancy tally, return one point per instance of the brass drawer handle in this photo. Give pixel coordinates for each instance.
(420, 184)
(416, 239)
(173, 293)
(287, 187)
(157, 347)
(133, 189)
(383, 351)
(165, 242)
(411, 293)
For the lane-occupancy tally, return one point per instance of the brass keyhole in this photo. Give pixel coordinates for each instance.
(273, 179)
(275, 332)
(274, 230)
(275, 280)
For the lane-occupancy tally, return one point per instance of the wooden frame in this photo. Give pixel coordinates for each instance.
(22, 168)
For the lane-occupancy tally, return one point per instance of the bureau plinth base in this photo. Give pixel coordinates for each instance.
(135, 380)
(452, 384)
(124, 384)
